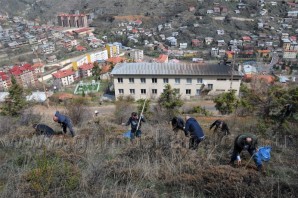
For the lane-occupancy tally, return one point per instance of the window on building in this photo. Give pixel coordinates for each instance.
(120, 80)
(177, 80)
(210, 86)
(154, 80)
(188, 80)
(132, 91)
(121, 91)
(198, 92)
(199, 80)
(154, 91)
(220, 90)
(165, 80)
(221, 79)
(143, 80)
(143, 91)
(188, 91)
(177, 91)
(131, 80)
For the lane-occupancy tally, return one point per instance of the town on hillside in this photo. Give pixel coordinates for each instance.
(237, 46)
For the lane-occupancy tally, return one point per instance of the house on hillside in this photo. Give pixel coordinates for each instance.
(85, 70)
(66, 77)
(147, 80)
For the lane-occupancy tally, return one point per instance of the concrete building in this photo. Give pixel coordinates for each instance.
(86, 70)
(147, 80)
(113, 50)
(72, 20)
(66, 77)
(136, 55)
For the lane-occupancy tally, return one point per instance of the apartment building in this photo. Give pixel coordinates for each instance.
(136, 55)
(86, 70)
(24, 75)
(147, 80)
(4, 81)
(66, 77)
(72, 20)
(113, 50)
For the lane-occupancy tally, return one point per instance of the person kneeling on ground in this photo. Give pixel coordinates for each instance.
(177, 124)
(247, 142)
(42, 129)
(195, 131)
(65, 122)
(222, 125)
(134, 121)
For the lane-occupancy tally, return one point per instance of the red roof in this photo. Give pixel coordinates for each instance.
(63, 73)
(82, 30)
(105, 69)
(266, 78)
(162, 58)
(80, 48)
(3, 76)
(86, 66)
(73, 15)
(134, 31)
(18, 70)
(36, 65)
(139, 22)
(293, 38)
(246, 38)
(115, 60)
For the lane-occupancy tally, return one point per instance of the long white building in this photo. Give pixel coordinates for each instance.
(147, 80)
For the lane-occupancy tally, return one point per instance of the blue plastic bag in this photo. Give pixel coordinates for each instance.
(264, 153)
(127, 134)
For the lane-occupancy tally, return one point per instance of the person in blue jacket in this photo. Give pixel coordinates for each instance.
(193, 130)
(65, 122)
(133, 121)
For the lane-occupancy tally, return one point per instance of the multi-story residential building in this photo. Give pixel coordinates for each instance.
(147, 80)
(113, 50)
(72, 20)
(24, 75)
(67, 43)
(86, 70)
(47, 48)
(136, 55)
(4, 81)
(97, 56)
(66, 77)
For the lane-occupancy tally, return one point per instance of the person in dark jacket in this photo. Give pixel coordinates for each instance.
(195, 131)
(65, 122)
(177, 124)
(135, 122)
(42, 129)
(247, 142)
(222, 125)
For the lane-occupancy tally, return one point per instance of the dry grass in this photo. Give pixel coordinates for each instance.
(100, 162)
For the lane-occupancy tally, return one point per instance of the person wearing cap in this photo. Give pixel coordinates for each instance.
(193, 130)
(65, 122)
(134, 121)
(222, 125)
(177, 124)
(247, 142)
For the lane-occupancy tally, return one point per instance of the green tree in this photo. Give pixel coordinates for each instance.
(170, 100)
(140, 103)
(226, 103)
(16, 100)
(96, 70)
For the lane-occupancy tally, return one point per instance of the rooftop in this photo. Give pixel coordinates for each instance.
(173, 69)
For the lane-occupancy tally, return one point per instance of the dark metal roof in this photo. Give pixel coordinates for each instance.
(174, 69)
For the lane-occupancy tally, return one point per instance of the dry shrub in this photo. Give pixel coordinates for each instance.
(7, 123)
(123, 111)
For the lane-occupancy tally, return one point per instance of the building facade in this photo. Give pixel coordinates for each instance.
(136, 55)
(147, 80)
(66, 77)
(72, 20)
(113, 50)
